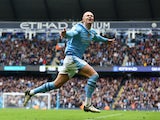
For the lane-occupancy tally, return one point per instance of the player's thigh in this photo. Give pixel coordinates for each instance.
(87, 71)
(60, 80)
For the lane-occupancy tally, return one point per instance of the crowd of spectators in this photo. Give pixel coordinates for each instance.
(20, 83)
(140, 51)
(26, 52)
(137, 93)
(143, 50)
(73, 92)
(71, 95)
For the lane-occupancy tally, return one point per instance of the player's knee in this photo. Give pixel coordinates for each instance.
(97, 76)
(93, 79)
(57, 86)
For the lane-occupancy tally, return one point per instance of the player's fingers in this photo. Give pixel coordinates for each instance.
(62, 33)
(111, 40)
(64, 29)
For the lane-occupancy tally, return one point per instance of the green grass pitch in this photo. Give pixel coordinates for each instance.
(24, 114)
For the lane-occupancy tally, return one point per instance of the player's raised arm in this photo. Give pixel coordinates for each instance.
(69, 33)
(103, 39)
(111, 40)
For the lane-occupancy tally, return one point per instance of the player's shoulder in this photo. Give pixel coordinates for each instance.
(80, 25)
(77, 27)
(93, 31)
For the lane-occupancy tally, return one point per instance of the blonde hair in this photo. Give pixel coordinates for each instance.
(85, 13)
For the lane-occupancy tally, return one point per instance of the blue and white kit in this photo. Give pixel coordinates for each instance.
(78, 39)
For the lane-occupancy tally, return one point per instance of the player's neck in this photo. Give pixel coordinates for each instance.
(88, 25)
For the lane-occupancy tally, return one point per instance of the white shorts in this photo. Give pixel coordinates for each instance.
(71, 65)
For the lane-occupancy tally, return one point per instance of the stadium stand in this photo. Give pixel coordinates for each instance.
(124, 90)
(140, 93)
(145, 52)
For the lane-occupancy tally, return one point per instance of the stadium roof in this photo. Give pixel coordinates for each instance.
(49, 10)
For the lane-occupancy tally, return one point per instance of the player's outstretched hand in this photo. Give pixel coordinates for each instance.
(111, 41)
(63, 33)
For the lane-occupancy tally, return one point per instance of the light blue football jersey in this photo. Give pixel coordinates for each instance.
(79, 38)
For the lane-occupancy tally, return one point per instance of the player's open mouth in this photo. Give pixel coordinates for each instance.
(90, 20)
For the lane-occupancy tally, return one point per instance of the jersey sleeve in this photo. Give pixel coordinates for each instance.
(99, 38)
(73, 32)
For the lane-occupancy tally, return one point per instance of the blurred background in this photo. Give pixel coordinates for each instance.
(32, 52)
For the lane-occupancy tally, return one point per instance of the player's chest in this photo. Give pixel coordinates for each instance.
(86, 35)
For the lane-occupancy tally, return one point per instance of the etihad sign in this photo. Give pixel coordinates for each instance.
(60, 25)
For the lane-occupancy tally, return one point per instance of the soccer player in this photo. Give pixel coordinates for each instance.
(78, 39)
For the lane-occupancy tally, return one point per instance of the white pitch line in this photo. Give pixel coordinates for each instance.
(106, 116)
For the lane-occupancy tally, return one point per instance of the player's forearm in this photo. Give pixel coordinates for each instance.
(100, 38)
